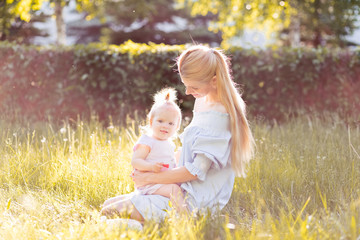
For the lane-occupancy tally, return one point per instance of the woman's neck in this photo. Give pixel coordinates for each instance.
(212, 98)
(205, 104)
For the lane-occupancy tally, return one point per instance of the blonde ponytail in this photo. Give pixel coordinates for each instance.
(242, 140)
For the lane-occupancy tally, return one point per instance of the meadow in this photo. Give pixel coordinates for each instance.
(303, 183)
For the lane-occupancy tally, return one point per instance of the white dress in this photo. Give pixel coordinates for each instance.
(162, 151)
(208, 136)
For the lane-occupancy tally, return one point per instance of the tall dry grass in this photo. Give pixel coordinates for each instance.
(303, 183)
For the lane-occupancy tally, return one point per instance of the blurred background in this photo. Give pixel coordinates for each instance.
(216, 22)
(62, 58)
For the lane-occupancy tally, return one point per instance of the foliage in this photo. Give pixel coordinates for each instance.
(95, 78)
(22, 8)
(319, 21)
(21, 11)
(115, 23)
(285, 80)
(23, 32)
(326, 22)
(38, 83)
(143, 21)
(236, 16)
(302, 184)
(11, 10)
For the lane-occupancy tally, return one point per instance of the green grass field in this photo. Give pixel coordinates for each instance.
(304, 183)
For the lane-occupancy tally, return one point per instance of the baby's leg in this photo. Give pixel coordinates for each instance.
(113, 200)
(121, 207)
(174, 192)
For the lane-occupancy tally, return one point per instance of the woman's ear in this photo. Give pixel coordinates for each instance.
(213, 82)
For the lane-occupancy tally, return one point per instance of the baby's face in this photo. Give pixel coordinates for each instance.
(164, 123)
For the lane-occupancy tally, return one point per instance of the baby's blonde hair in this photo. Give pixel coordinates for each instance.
(200, 63)
(166, 97)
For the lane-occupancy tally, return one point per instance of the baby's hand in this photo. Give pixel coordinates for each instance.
(157, 167)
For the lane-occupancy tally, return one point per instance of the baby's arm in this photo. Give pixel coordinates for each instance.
(138, 160)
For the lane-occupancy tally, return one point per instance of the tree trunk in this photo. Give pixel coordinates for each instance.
(4, 27)
(60, 24)
(294, 34)
(317, 41)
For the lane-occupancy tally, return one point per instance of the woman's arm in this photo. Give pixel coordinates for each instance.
(138, 160)
(177, 156)
(175, 175)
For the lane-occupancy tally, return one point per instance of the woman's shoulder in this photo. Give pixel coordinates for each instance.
(210, 123)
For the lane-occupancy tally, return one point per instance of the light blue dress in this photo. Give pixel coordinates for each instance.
(206, 145)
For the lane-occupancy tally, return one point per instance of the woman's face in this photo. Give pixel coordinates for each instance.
(199, 89)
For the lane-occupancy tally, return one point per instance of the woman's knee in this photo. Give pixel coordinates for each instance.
(175, 190)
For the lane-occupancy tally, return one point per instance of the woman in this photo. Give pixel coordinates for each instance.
(216, 146)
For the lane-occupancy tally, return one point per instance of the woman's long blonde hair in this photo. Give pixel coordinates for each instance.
(200, 63)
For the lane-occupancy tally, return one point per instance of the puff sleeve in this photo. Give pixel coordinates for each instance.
(208, 150)
(145, 140)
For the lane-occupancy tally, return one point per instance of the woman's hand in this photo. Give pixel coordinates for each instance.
(140, 178)
(175, 175)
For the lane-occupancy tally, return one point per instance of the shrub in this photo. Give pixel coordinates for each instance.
(58, 82)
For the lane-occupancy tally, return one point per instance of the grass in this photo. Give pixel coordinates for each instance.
(304, 183)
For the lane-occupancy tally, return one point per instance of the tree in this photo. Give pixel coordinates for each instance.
(323, 22)
(154, 18)
(117, 21)
(143, 21)
(15, 10)
(23, 10)
(311, 21)
(92, 8)
(23, 32)
(233, 17)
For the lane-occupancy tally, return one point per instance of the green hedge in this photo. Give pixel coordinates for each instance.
(285, 80)
(38, 82)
